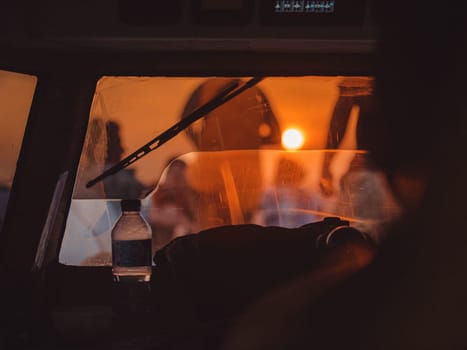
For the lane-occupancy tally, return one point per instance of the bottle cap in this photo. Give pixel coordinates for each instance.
(130, 204)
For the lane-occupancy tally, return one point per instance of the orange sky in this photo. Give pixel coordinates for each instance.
(144, 107)
(16, 92)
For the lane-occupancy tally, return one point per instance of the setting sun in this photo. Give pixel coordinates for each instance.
(292, 139)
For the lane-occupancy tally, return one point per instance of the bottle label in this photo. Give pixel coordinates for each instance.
(131, 253)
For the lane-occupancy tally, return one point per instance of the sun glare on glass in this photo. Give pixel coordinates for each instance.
(292, 139)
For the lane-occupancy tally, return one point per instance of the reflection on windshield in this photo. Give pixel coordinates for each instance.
(201, 190)
(286, 202)
(171, 210)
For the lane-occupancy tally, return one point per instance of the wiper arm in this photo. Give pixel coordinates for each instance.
(230, 92)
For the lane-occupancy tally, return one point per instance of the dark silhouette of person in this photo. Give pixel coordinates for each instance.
(104, 149)
(173, 204)
(287, 203)
(354, 92)
(245, 122)
(123, 184)
(249, 114)
(412, 295)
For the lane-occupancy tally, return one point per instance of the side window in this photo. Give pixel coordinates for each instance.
(16, 93)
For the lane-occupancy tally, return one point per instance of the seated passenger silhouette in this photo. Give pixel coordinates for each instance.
(246, 122)
(124, 184)
(412, 295)
(287, 203)
(172, 212)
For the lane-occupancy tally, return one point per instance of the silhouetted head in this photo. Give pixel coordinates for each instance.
(244, 122)
(176, 174)
(114, 145)
(420, 73)
(289, 172)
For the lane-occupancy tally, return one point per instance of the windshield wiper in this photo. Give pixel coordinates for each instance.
(227, 94)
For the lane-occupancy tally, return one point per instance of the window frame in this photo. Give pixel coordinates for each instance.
(66, 84)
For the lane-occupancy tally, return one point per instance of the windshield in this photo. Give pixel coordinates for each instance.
(283, 153)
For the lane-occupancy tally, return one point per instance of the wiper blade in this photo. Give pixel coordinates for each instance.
(227, 94)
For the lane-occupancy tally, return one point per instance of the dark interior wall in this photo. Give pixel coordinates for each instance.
(186, 25)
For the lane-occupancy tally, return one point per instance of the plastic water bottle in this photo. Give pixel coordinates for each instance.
(131, 245)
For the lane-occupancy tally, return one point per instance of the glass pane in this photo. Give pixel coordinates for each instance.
(202, 190)
(16, 93)
(282, 153)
